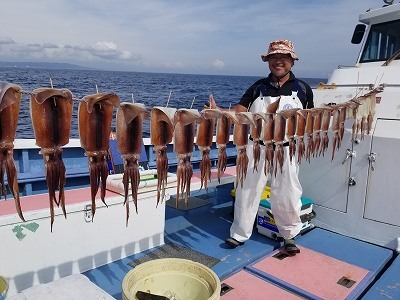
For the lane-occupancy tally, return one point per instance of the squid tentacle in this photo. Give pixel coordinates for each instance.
(184, 174)
(222, 161)
(3, 190)
(55, 178)
(363, 127)
(256, 153)
(301, 150)
(205, 166)
(189, 174)
(292, 148)
(324, 143)
(370, 119)
(269, 158)
(7, 163)
(278, 157)
(317, 143)
(55, 173)
(310, 147)
(98, 172)
(162, 171)
(132, 175)
(336, 144)
(358, 128)
(242, 162)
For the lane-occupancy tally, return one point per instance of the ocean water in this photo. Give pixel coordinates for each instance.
(151, 89)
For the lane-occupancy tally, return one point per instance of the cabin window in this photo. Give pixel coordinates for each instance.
(382, 42)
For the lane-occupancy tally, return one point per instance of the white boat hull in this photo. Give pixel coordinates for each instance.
(31, 254)
(356, 197)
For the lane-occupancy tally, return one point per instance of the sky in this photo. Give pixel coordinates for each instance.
(221, 37)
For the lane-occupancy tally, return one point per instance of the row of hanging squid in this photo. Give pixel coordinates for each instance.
(51, 114)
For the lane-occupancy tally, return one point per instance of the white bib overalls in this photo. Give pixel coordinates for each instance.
(285, 187)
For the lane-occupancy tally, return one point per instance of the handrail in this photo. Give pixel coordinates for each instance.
(392, 58)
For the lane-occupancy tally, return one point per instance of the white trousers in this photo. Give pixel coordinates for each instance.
(285, 198)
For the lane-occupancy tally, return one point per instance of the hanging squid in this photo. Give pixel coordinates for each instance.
(325, 121)
(335, 129)
(279, 138)
(353, 106)
(268, 135)
(51, 113)
(95, 114)
(204, 139)
(371, 100)
(183, 147)
(10, 99)
(129, 125)
(256, 135)
(241, 139)
(361, 111)
(318, 112)
(310, 134)
(161, 133)
(300, 130)
(357, 117)
(342, 119)
(291, 121)
(224, 124)
(364, 111)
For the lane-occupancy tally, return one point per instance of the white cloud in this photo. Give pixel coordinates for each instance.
(219, 64)
(108, 50)
(100, 51)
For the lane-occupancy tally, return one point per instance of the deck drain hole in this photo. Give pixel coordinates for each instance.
(346, 282)
(280, 255)
(225, 289)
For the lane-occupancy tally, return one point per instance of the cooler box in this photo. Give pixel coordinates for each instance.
(266, 223)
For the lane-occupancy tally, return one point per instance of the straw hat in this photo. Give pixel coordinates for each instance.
(280, 46)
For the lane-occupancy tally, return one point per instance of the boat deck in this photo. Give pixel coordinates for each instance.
(331, 266)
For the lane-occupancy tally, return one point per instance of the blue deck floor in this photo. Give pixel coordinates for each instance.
(204, 229)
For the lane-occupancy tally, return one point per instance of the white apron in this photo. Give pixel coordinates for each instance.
(285, 187)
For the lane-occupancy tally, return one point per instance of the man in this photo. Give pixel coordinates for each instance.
(285, 186)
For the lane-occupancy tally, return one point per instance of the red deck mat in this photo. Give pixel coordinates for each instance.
(248, 286)
(312, 274)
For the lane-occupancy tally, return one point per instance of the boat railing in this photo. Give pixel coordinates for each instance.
(31, 170)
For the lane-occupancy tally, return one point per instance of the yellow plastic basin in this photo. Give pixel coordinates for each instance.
(178, 279)
(3, 287)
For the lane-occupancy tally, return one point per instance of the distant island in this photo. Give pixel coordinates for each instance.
(42, 65)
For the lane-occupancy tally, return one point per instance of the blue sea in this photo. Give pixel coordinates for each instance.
(151, 89)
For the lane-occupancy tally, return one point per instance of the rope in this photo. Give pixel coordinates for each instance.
(31, 93)
(25, 92)
(106, 103)
(73, 99)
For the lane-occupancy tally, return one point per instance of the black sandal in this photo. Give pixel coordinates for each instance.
(291, 248)
(233, 242)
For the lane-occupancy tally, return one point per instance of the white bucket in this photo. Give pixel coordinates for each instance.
(3, 287)
(177, 279)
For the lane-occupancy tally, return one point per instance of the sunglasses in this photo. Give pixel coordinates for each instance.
(282, 57)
